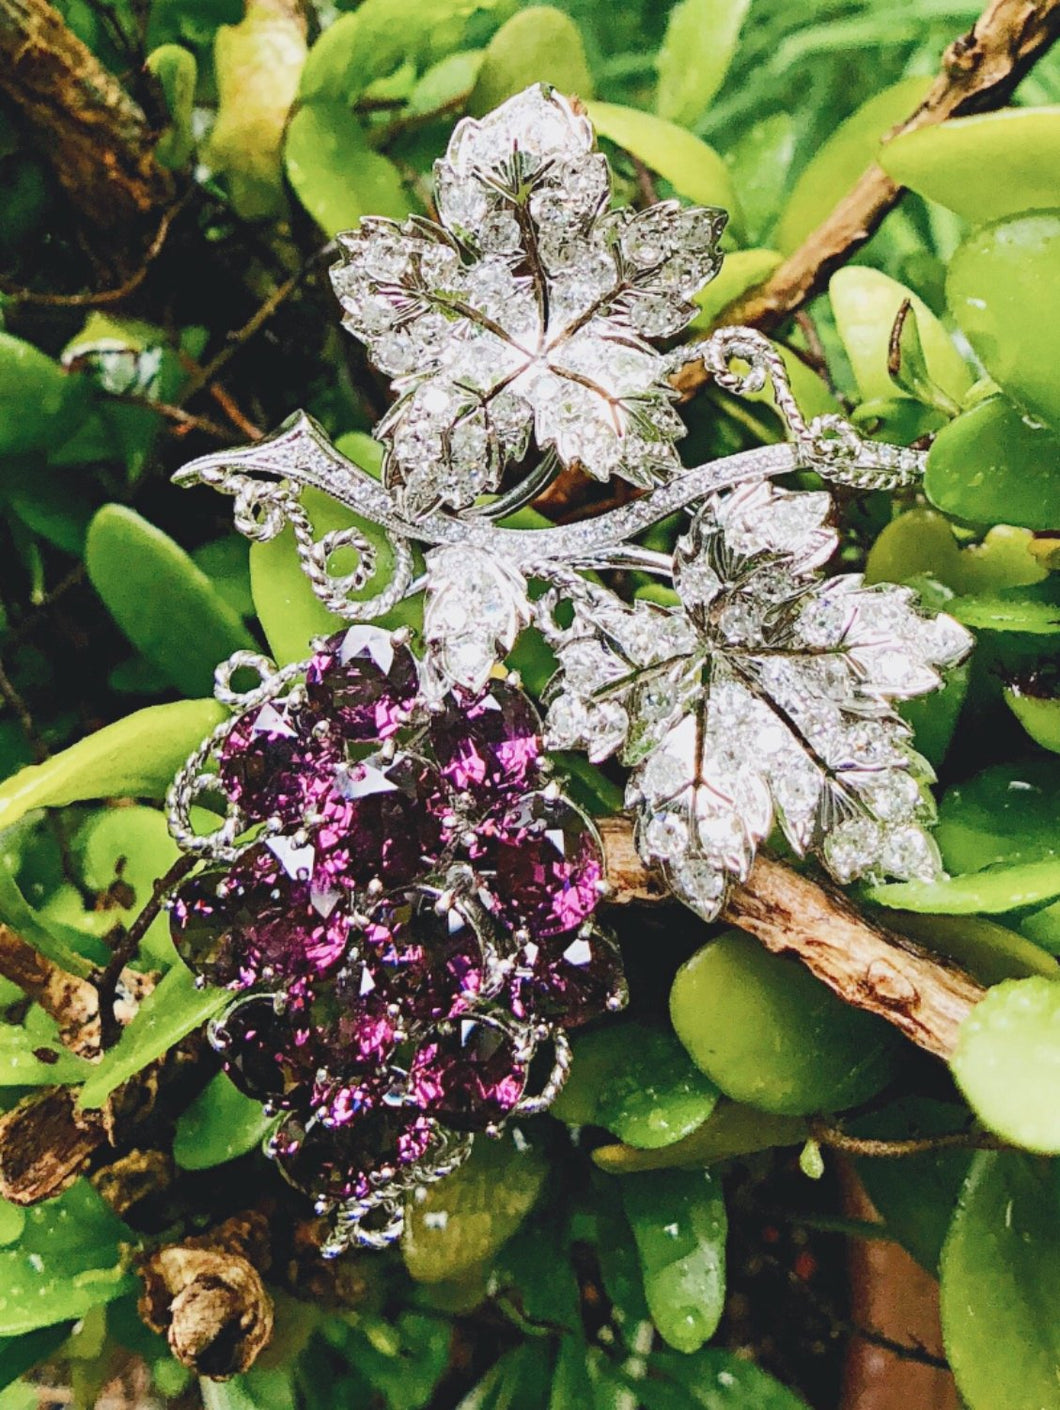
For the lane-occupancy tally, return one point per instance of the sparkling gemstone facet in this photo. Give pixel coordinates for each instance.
(572, 978)
(469, 1074)
(270, 764)
(336, 1162)
(380, 820)
(270, 1055)
(487, 744)
(548, 866)
(365, 680)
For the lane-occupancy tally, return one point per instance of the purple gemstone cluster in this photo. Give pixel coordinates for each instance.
(410, 920)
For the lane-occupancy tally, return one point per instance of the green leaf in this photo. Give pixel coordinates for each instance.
(731, 1130)
(135, 843)
(21, 1067)
(167, 607)
(987, 949)
(537, 45)
(334, 173)
(1002, 289)
(850, 150)
(19, 1354)
(446, 82)
(258, 63)
(638, 1082)
(701, 38)
(1038, 714)
(866, 303)
(177, 72)
(1006, 814)
(132, 758)
(1007, 1062)
(984, 167)
(1000, 1281)
(741, 270)
(172, 1010)
(226, 562)
(992, 890)
(12, 1222)
(921, 542)
(464, 1219)
(40, 403)
(289, 610)
(716, 1379)
(66, 1263)
(773, 1036)
(761, 161)
(1007, 611)
(686, 162)
(221, 1124)
(678, 1220)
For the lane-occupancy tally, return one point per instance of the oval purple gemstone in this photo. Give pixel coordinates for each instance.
(338, 1162)
(351, 1022)
(548, 866)
(268, 1055)
(430, 964)
(380, 820)
(365, 681)
(275, 915)
(469, 1074)
(572, 978)
(271, 764)
(487, 744)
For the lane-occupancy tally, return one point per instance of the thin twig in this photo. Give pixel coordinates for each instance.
(21, 711)
(868, 966)
(125, 950)
(978, 72)
(837, 1139)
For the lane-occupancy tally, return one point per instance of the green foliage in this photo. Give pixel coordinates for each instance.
(535, 1277)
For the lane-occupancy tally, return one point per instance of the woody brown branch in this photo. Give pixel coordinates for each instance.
(95, 138)
(868, 966)
(979, 71)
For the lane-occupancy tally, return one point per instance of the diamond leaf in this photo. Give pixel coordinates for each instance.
(476, 607)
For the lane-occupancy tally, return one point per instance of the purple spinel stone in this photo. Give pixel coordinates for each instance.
(365, 681)
(379, 820)
(571, 978)
(338, 1161)
(469, 1074)
(487, 744)
(430, 964)
(268, 1055)
(352, 1022)
(548, 866)
(271, 764)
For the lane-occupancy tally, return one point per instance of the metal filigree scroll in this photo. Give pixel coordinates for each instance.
(755, 692)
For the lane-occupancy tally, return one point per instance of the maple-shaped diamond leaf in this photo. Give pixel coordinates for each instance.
(527, 312)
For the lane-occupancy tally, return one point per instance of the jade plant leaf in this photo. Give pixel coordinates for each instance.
(1011, 1035)
(1006, 814)
(133, 758)
(219, 1125)
(537, 45)
(639, 1082)
(821, 1055)
(679, 1222)
(165, 605)
(1038, 714)
(716, 1379)
(1000, 1277)
(67, 1262)
(335, 173)
(685, 161)
(40, 402)
(701, 37)
(463, 1220)
(172, 1010)
(1002, 289)
(984, 167)
(991, 891)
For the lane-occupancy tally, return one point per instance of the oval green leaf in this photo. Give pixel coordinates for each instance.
(1002, 289)
(463, 1220)
(134, 843)
(537, 45)
(984, 167)
(851, 149)
(132, 758)
(993, 890)
(697, 49)
(1007, 1062)
(740, 271)
(335, 173)
(220, 1125)
(1038, 714)
(679, 1223)
(40, 403)
(1006, 814)
(771, 1035)
(165, 605)
(732, 1129)
(686, 162)
(172, 1010)
(866, 303)
(1000, 1281)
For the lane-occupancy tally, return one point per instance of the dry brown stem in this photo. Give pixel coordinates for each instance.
(866, 965)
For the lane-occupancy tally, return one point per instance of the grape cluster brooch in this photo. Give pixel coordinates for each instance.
(395, 888)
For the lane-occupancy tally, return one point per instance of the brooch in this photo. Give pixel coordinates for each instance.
(399, 893)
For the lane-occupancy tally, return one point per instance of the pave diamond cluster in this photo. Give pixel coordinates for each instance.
(398, 892)
(404, 905)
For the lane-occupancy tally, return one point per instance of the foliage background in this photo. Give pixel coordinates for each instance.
(554, 1280)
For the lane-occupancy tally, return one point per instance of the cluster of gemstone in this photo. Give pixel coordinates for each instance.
(410, 918)
(529, 309)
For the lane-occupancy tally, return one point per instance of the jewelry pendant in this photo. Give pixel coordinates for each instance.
(400, 893)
